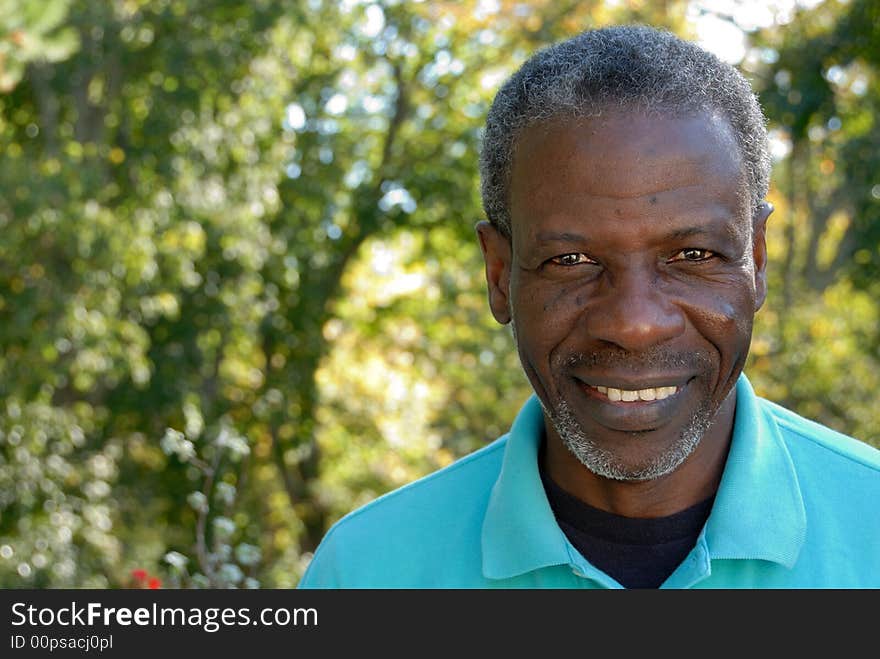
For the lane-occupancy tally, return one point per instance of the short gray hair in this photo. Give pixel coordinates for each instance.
(624, 67)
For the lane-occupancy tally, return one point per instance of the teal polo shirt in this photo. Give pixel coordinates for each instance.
(797, 507)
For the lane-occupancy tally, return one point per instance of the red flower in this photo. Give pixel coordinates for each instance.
(154, 583)
(139, 575)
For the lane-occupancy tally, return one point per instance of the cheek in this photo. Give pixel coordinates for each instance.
(546, 314)
(724, 319)
(543, 319)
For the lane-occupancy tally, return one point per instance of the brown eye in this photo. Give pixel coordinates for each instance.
(693, 254)
(571, 259)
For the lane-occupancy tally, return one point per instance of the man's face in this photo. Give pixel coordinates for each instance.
(632, 276)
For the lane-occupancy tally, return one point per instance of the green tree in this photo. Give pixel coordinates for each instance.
(32, 30)
(240, 291)
(818, 339)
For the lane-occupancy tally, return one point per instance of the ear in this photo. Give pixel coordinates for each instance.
(496, 250)
(759, 250)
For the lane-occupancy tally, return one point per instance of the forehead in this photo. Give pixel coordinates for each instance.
(626, 163)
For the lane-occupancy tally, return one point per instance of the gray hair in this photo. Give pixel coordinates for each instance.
(624, 67)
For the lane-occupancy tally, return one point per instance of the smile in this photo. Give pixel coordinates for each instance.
(636, 408)
(633, 395)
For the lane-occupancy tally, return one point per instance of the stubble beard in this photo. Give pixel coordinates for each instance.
(606, 463)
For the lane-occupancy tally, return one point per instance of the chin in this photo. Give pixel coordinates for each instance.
(616, 464)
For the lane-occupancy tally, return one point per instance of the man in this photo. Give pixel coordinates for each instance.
(624, 175)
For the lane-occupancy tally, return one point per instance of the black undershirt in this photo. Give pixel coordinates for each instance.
(636, 552)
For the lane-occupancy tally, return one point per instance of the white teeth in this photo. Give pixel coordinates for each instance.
(665, 392)
(647, 394)
(628, 396)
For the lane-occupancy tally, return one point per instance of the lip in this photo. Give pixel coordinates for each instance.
(634, 384)
(634, 416)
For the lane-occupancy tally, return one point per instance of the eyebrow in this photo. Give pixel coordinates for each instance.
(559, 237)
(687, 232)
(677, 234)
(730, 231)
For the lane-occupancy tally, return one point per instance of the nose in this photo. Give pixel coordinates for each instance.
(634, 313)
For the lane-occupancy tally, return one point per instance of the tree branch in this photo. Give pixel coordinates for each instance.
(47, 104)
(323, 287)
(845, 249)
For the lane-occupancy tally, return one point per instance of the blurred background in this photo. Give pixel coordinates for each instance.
(240, 291)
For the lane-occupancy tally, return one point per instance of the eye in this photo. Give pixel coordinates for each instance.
(575, 258)
(693, 255)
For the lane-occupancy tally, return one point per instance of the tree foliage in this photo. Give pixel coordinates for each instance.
(240, 292)
(818, 344)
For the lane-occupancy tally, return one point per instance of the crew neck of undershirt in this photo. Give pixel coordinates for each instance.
(621, 529)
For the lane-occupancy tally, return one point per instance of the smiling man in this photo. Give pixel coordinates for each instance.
(624, 175)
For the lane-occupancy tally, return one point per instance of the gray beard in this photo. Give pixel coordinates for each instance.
(607, 464)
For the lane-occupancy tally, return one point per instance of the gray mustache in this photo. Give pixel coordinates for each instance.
(659, 358)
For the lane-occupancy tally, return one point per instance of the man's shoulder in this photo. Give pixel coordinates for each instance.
(837, 483)
(834, 447)
(405, 536)
(473, 469)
